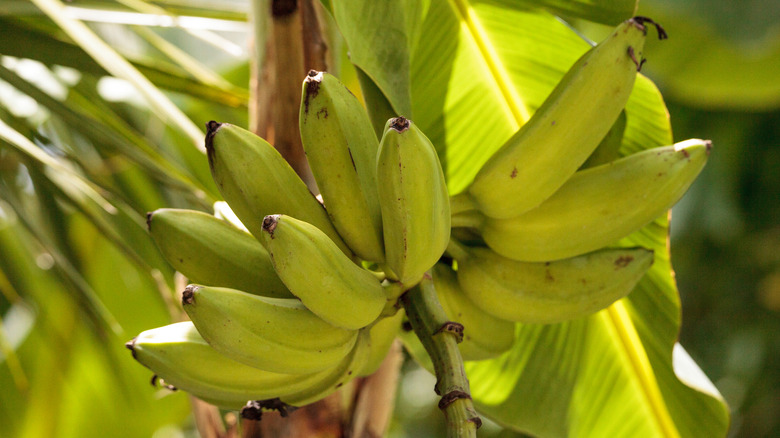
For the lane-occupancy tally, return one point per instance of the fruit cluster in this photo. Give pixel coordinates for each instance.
(293, 299)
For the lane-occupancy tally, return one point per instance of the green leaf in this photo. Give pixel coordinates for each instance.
(601, 11)
(478, 71)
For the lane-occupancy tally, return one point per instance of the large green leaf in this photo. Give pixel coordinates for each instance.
(478, 71)
(601, 11)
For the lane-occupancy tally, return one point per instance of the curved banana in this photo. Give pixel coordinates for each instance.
(414, 201)
(609, 148)
(484, 335)
(341, 148)
(181, 357)
(562, 133)
(317, 272)
(210, 251)
(256, 181)
(600, 205)
(550, 292)
(382, 333)
(273, 334)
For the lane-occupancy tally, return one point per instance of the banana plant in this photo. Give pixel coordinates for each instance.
(79, 179)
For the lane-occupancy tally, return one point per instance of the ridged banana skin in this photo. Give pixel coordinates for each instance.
(181, 357)
(210, 251)
(273, 334)
(316, 271)
(484, 335)
(600, 205)
(381, 336)
(256, 181)
(564, 131)
(551, 292)
(414, 201)
(341, 148)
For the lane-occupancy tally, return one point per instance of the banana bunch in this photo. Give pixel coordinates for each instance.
(283, 303)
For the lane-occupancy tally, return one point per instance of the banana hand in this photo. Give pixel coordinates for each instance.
(341, 148)
(273, 334)
(550, 292)
(317, 272)
(600, 205)
(414, 201)
(564, 131)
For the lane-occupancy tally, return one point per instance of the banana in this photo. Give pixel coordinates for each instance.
(256, 181)
(484, 335)
(550, 292)
(609, 148)
(414, 201)
(382, 333)
(341, 148)
(317, 272)
(273, 334)
(182, 358)
(223, 211)
(600, 205)
(210, 251)
(563, 132)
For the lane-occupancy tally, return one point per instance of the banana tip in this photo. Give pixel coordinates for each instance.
(149, 220)
(400, 124)
(130, 345)
(211, 130)
(708, 145)
(188, 296)
(269, 224)
(640, 21)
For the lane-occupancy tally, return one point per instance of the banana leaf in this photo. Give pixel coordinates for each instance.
(478, 71)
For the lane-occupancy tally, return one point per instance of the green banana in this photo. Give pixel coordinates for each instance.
(600, 205)
(550, 292)
(563, 132)
(414, 201)
(484, 335)
(315, 270)
(213, 252)
(182, 358)
(341, 148)
(256, 181)
(609, 148)
(382, 333)
(274, 334)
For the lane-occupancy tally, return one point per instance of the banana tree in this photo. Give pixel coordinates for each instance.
(81, 275)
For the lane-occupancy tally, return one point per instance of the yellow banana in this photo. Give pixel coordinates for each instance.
(273, 334)
(182, 358)
(341, 148)
(213, 252)
(414, 201)
(382, 333)
(600, 205)
(563, 132)
(317, 272)
(256, 181)
(484, 335)
(550, 292)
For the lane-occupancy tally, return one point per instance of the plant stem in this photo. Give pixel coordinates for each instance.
(456, 250)
(467, 219)
(440, 338)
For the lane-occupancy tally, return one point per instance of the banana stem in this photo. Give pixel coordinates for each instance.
(456, 250)
(462, 202)
(440, 338)
(467, 219)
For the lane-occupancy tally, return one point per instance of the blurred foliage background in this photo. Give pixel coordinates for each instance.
(718, 73)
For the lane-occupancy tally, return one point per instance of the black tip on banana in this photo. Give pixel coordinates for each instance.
(254, 408)
(400, 124)
(211, 129)
(708, 145)
(269, 224)
(188, 296)
(130, 345)
(149, 220)
(662, 35)
(311, 87)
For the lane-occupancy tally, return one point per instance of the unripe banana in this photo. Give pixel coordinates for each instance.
(382, 333)
(414, 201)
(256, 181)
(551, 292)
(341, 148)
(182, 358)
(600, 205)
(609, 148)
(564, 131)
(317, 272)
(274, 334)
(484, 335)
(210, 251)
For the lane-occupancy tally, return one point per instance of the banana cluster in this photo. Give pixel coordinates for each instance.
(294, 296)
(536, 234)
(283, 304)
